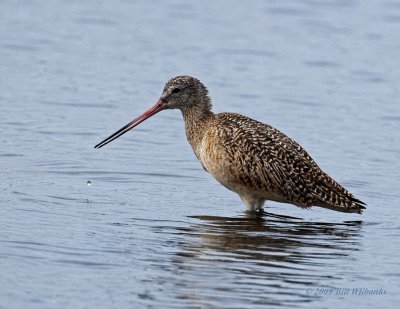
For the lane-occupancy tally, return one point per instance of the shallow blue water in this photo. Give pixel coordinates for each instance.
(153, 229)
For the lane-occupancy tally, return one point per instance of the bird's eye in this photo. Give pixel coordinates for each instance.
(176, 90)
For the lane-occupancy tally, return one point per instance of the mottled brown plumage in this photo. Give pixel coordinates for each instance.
(248, 157)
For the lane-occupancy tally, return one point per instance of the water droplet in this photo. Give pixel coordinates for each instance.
(89, 182)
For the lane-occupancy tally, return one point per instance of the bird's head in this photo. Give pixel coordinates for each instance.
(181, 92)
(184, 92)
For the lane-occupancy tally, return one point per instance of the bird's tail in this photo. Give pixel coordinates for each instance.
(329, 194)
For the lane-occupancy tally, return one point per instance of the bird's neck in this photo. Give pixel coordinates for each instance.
(197, 118)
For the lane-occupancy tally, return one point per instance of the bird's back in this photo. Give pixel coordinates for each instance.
(245, 154)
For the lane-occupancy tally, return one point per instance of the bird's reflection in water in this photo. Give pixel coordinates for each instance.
(257, 260)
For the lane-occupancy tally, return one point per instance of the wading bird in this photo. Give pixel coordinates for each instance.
(248, 157)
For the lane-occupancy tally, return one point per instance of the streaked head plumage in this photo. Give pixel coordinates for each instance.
(185, 91)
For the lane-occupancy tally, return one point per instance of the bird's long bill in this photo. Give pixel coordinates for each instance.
(157, 107)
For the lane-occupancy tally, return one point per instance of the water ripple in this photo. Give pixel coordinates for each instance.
(276, 249)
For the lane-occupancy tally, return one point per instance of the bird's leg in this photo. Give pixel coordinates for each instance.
(254, 204)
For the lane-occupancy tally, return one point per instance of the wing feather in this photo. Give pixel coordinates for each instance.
(268, 160)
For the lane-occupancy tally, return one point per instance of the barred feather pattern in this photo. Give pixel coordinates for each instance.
(261, 163)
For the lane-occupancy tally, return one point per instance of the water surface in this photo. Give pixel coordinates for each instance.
(153, 230)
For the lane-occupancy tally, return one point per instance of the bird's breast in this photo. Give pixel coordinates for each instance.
(216, 160)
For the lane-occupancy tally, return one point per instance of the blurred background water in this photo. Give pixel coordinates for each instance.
(153, 230)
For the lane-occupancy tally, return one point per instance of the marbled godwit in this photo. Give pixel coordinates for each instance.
(253, 159)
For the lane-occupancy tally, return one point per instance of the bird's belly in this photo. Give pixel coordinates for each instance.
(217, 162)
(224, 174)
(223, 168)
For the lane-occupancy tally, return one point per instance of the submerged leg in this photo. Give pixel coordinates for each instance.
(254, 204)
